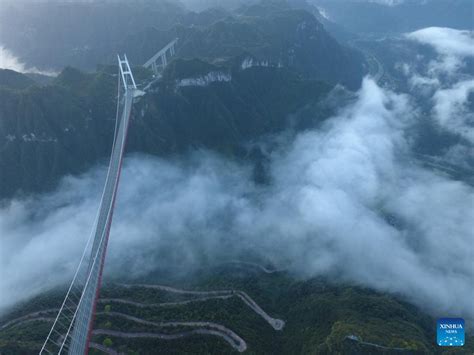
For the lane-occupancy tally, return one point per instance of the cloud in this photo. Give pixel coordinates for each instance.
(9, 61)
(387, 2)
(346, 183)
(452, 111)
(447, 80)
(446, 41)
(201, 5)
(41, 237)
(346, 201)
(452, 46)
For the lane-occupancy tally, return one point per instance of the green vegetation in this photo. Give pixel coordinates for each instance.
(107, 342)
(276, 33)
(12, 80)
(49, 130)
(66, 127)
(319, 317)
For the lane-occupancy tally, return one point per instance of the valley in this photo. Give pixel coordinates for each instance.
(297, 177)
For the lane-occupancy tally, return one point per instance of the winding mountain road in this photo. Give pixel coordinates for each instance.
(356, 339)
(275, 323)
(103, 348)
(234, 340)
(163, 304)
(181, 335)
(216, 329)
(202, 327)
(30, 317)
(17, 322)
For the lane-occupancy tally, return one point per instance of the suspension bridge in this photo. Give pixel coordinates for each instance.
(72, 327)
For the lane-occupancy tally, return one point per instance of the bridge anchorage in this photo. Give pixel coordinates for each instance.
(72, 328)
(159, 61)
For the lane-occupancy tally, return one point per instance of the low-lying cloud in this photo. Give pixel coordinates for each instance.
(345, 201)
(447, 41)
(451, 109)
(202, 5)
(452, 46)
(387, 2)
(9, 61)
(447, 81)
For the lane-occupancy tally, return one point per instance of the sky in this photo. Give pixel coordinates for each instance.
(347, 201)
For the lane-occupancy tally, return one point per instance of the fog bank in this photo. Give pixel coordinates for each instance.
(9, 61)
(345, 201)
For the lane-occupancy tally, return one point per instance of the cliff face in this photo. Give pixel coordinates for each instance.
(278, 36)
(64, 128)
(274, 31)
(46, 132)
(237, 76)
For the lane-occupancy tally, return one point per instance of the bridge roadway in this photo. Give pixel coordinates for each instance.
(85, 312)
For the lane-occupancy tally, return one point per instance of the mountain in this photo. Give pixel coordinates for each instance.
(52, 35)
(278, 32)
(237, 76)
(65, 128)
(274, 33)
(245, 78)
(320, 317)
(12, 80)
(46, 132)
(219, 107)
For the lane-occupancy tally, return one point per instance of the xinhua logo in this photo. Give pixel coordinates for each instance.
(450, 332)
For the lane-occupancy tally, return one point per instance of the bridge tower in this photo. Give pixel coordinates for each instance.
(72, 329)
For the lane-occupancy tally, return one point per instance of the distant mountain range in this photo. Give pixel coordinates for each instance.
(235, 78)
(84, 35)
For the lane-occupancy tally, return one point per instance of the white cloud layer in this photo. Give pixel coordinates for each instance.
(447, 81)
(346, 201)
(388, 2)
(452, 111)
(9, 61)
(446, 41)
(452, 46)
